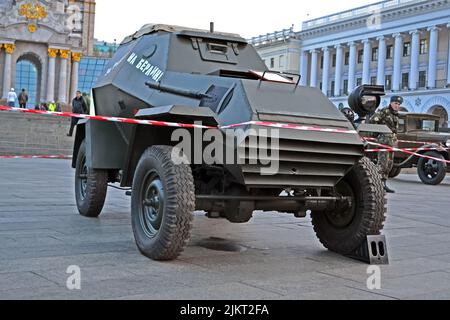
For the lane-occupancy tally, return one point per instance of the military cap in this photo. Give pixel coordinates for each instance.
(397, 99)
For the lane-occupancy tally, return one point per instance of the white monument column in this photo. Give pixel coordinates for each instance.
(51, 74)
(326, 70)
(76, 57)
(62, 96)
(381, 60)
(304, 68)
(366, 61)
(338, 76)
(352, 67)
(9, 50)
(398, 54)
(314, 67)
(415, 50)
(432, 61)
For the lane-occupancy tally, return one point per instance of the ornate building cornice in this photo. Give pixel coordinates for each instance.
(388, 15)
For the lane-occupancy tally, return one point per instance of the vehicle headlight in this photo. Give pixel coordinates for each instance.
(365, 99)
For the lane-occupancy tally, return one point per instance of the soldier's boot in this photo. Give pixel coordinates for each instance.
(387, 189)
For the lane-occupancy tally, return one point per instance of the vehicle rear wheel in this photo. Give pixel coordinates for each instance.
(395, 172)
(344, 229)
(90, 186)
(430, 171)
(162, 203)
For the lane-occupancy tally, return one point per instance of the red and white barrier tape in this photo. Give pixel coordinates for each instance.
(37, 157)
(391, 149)
(179, 125)
(409, 149)
(404, 141)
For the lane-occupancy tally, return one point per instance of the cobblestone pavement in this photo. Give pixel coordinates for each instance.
(276, 256)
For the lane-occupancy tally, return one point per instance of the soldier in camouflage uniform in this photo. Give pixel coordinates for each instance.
(389, 117)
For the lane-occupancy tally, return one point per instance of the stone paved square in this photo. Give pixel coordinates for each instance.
(276, 256)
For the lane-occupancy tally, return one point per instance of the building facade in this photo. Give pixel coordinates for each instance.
(401, 44)
(279, 50)
(41, 46)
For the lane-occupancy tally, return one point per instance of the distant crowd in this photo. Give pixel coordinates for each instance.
(22, 100)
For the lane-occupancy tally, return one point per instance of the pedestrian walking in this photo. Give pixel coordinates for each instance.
(79, 107)
(23, 99)
(11, 98)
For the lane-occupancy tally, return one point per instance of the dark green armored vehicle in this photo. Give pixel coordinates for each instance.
(421, 130)
(277, 146)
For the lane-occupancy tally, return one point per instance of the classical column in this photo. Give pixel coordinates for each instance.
(366, 61)
(51, 74)
(448, 58)
(398, 53)
(62, 96)
(352, 67)
(9, 50)
(304, 68)
(326, 69)
(314, 67)
(338, 76)
(415, 50)
(432, 61)
(76, 57)
(381, 60)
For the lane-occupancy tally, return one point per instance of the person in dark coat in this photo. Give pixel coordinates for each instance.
(78, 107)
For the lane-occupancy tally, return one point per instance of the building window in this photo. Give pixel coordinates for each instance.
(407, 49)
(333, 86)
(334, 61)
(345, 86)
(388, 82)
(272, 63)
(89, 70)
(405, 80)
(423, 46)
(374, 54)
(281, 62)
(373, 80)
(358, 82)
(27, 78)
(360, 56)
(422, 79)
(389, 52)
(347, 58)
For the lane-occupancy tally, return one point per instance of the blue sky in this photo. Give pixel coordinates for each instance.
(116, 19)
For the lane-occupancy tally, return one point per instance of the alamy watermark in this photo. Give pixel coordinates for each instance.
(253, 146)
(374, 279)
(74, 280)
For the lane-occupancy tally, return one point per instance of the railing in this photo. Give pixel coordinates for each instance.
(369, 9)
(272, 37)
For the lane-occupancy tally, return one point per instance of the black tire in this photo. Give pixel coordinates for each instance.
(430, 171)
(344, 230)
(395, 172)
(90, 186)
(162, 204)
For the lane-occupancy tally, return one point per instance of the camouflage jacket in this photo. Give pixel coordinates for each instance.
(387, 117)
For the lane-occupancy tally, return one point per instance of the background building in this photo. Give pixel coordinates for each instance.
(46, 47)
(402, 44)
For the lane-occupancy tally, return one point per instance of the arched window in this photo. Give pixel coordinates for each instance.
(27, 78)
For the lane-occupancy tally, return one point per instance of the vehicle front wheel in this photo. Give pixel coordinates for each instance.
(90, 186)
(162, 204)
(432, 171)
(343, 230)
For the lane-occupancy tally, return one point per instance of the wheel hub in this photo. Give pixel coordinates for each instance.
(344, 213)
(152, 205)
